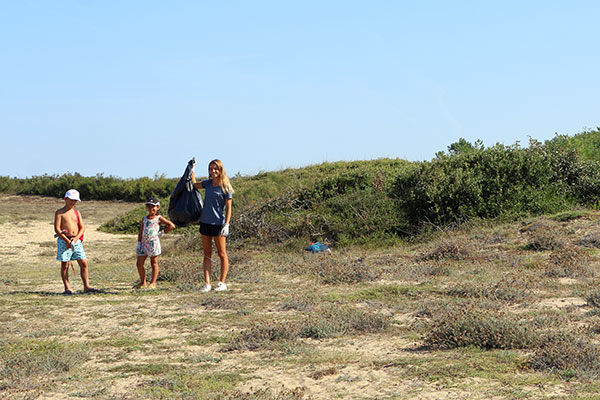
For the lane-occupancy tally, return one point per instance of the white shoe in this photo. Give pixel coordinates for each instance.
(220, 287)
(206, 288)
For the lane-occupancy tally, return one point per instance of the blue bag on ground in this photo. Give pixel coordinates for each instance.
(185, 204)
(317, 248)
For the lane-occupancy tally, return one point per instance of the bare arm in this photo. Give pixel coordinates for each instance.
(197, 185)
(228, 203)
(164, 221)
(57, 230)
(81, 228)
(140, 230)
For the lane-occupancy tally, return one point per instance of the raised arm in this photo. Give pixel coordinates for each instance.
(197, 185)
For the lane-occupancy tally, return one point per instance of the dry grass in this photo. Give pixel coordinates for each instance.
(409, 320)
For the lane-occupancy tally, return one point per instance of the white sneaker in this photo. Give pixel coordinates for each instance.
(220, 287)
(206, 288)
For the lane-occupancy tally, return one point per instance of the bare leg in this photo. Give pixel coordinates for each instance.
(64, 274)
(221, 243)
(141, 271)
(83, 269)
(206, 263)
(154, 264)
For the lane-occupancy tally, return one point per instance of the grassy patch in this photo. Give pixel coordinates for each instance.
(125, 343)
(185, 384)
(28, 364)
(326, 322)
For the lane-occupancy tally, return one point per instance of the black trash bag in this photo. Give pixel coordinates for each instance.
(185, 204)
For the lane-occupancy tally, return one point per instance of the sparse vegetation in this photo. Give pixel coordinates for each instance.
(469, 326)
(405, 305)
(568, 355)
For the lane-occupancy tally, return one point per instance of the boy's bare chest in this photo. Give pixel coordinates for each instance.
(69, 219)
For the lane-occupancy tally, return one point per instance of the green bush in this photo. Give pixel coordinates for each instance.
(97, 187)
(473, 181)
(373, 202)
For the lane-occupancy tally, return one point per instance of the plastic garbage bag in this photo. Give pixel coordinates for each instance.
(185, 204)
(318, 247)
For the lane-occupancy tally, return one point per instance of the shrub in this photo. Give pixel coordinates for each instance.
(512, 289)
(590, 240)
(593, 299)
(473, 181)
(300, 303)
(432, 269)
(331, 321)
(337, 321)
(567, 355)
(331, 269)
(544, 238)
(97, 187)
(181, 270)
(448, 250)
(263, 334)
(568, 263)
(267, 394)
(474, 327)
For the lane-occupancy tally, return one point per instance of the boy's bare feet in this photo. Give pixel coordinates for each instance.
(140, 286)
(152, 286)
(90, 290)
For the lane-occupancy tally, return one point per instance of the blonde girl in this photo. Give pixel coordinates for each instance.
(214, 221)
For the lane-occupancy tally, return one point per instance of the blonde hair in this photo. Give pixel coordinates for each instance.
(223, 179)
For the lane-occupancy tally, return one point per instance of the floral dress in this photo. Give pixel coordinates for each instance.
(150, 244)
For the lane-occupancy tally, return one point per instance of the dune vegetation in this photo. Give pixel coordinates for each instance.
(472, 275)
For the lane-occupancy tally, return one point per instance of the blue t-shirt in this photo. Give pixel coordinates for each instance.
(213, 211)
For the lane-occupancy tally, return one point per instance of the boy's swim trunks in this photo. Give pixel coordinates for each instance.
(65, 253)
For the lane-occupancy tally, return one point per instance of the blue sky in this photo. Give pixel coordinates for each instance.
(135, 88)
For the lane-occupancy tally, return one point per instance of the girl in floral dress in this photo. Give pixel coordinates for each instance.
(149, 241)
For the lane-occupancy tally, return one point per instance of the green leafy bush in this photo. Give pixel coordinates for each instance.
(97, 187)
(488, 182)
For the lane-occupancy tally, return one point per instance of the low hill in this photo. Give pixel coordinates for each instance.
(379, 200)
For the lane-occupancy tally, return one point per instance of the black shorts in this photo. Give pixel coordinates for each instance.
(210, 230)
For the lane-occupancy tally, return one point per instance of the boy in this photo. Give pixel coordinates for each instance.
(69, 229)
